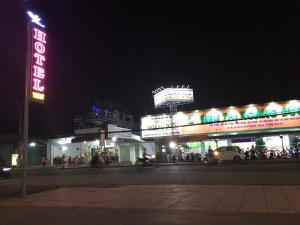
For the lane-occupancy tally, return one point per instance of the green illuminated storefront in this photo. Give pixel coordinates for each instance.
(272, 125)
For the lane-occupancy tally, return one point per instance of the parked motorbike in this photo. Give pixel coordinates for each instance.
(212, 160)
(146, 161)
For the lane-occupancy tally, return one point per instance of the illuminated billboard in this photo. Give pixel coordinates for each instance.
(231, 120)
(38, 57)
(175, 96)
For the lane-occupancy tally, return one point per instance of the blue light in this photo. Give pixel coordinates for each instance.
(96, 109)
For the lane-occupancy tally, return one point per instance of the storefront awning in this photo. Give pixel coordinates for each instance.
(90, 137)
(129, 140)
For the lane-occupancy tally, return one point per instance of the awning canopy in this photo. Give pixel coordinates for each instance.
(88, 137)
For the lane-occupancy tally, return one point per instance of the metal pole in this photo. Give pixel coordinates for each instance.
(26, 109)
(20, 108)
(217, 144)
(281, 137)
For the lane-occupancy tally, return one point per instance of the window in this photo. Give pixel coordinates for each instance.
(222, 149)
(121, 116)
(231, 148)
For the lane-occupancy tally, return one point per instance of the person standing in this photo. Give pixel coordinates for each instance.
(44, 162)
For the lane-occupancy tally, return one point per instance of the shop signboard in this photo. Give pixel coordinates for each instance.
(151, 125)
(118, 132)
(232, 120)
(173, 96)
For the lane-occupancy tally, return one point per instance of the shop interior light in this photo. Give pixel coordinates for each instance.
(114, 138)
(274, 107)
(97, 142)
(64, 148)
(32, 144)
(84, 142)
(172, 144)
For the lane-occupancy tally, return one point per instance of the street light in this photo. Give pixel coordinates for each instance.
(32, 144)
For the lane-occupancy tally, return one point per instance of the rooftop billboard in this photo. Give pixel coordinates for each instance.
(173, 96)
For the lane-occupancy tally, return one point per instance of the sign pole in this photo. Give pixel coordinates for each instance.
(26, 108)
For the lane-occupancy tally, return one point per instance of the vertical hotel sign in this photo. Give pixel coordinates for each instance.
(37, 50)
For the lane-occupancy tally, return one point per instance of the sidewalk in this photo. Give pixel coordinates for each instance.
(166, 204)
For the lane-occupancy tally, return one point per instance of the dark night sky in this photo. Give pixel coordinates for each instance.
(231, 54)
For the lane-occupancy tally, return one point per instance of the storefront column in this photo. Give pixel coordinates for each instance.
(119, 152)
(229, 142)
(157, 146)
(140, 151)
(132, 153)
(49, 153)
(203, 148)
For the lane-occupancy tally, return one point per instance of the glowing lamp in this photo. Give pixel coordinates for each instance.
(172, 144)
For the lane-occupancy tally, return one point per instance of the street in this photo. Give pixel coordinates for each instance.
(249, 174)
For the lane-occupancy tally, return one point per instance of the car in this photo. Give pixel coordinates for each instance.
(229, 153)
(5, 170)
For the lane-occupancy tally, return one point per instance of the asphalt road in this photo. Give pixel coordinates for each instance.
(266, 174)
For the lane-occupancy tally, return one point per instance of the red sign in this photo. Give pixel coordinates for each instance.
(38, 73)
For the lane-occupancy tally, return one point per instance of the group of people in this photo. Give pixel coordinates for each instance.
(188, 157)
(68, 161)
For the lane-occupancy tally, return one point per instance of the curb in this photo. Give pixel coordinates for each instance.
(244, 162)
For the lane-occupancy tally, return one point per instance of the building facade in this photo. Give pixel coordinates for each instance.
(272, 126)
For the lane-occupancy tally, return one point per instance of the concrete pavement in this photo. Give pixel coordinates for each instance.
(157, 204)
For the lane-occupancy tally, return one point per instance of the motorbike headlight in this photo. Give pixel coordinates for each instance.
(216, 153)
(6, 169)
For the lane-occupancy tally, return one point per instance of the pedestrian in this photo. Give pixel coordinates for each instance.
(174, 158)
(69, 161)
(44, 162)
(168, 158)
(64, 161)
(210, 152)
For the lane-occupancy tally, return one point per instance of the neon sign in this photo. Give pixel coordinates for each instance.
(38, 51)
(35, 18)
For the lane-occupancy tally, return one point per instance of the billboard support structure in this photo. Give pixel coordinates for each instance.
(171, 98)
(173, 111)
